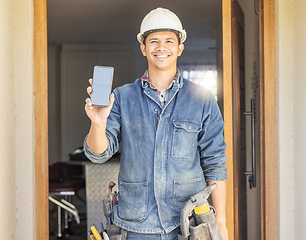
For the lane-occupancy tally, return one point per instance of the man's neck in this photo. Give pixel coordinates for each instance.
(161, 79)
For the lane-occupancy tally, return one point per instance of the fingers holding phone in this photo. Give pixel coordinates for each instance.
(89, 88)
(98, 113)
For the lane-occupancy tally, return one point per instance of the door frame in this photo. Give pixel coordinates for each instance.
(267, 119)
(228, 113)
(41, 120)
(267, 107)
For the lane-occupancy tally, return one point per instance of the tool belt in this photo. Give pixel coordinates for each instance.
(116, 233)
(203, 224)
(203, 227)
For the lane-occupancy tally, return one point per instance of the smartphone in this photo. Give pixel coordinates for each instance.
(102, 85)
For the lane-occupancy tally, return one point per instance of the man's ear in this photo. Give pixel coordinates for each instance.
(180, 49)
(143, 49)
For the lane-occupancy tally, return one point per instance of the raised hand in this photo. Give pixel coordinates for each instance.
(97, 114)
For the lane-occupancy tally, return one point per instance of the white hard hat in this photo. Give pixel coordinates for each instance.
(161, 19)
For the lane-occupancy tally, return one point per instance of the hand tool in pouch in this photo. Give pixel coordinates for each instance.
(203, 225)
(91, 235)
(95, 233)
(103, 233)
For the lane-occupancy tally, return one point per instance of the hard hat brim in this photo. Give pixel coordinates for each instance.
(181, 34)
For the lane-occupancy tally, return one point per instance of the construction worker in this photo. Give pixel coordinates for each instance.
(171, 136)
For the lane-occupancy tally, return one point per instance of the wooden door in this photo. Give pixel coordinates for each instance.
(239, 164)
(268, 171)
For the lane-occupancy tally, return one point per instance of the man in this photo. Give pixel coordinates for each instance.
(171, 135)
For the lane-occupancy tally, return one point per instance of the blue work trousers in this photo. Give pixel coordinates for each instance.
(140, 236)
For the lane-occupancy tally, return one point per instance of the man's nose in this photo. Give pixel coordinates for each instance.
(161, 46)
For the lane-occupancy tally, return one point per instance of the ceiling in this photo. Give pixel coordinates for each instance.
(98, 21)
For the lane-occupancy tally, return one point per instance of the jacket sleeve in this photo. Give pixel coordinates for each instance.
(113, 134)
(211, 143)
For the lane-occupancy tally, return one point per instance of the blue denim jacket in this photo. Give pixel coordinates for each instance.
(167, 153)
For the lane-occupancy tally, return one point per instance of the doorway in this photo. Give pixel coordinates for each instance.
(41, 121)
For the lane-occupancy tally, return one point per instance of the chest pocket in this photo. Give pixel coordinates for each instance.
(185, 140)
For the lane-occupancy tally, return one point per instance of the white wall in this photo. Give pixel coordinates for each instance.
(16, 121)
(284, 119)
(291, 117)
(7, 129)
(299, 86)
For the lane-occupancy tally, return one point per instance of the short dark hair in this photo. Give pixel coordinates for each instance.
(147, 33)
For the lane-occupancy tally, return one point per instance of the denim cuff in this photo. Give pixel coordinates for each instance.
(96, 158)
(215, 179)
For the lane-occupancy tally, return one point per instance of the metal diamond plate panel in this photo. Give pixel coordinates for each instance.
(97, 178)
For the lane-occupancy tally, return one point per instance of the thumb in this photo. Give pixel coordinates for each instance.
(111, 100)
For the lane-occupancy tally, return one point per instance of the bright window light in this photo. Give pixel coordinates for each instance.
(203, 75)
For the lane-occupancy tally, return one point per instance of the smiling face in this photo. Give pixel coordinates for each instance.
(162, 50)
